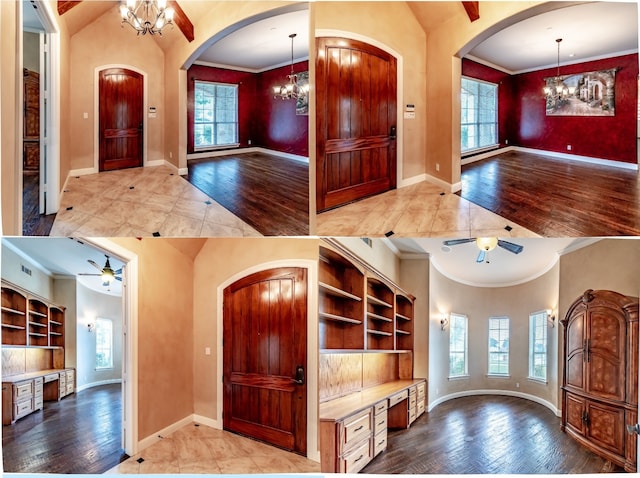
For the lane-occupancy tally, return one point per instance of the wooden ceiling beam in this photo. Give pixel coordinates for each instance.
(182, 20)
(65, 5)
(473, 10)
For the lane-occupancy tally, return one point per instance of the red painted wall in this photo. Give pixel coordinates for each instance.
(523, 120)
(263, 120)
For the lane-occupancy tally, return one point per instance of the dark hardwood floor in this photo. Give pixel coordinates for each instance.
(34, 223)
(79, 434)
(485, 434)
(268, 192)
(554, 197)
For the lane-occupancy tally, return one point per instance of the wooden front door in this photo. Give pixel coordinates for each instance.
(121, 119)
(265, 356)
(356, 121)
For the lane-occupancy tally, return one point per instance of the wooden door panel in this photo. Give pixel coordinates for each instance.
(31, 126)
(575, 408)
(606, 337)
(575, 352)
(356, 85)
(606, 426)
(121, 119)
(264, 344)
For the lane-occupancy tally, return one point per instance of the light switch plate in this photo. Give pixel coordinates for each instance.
(409, 115)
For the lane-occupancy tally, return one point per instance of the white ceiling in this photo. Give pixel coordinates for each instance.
(61, 256)
(30, 19)
(503, 269)
(588, 31)
(262, 45)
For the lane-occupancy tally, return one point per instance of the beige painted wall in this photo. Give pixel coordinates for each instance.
(414, 278)
(478, 304)
(105, 42)
(378, 256)
(64, 292)
(39, 282)
(165, 334)
(392, 24)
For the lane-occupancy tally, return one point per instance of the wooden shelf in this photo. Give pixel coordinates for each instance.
(37, 324)
(402, 317)
(374, 300)
(378, 317)
(55, 333)
(402, 332)
(338, 318)
(54, 322)
(36, 334)
(38, 314)
(328, 289)
(15, 327)
(379, 332)
(13, 311)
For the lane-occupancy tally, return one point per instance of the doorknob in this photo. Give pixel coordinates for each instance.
(633, 429)
(299, 375)
(392, 132)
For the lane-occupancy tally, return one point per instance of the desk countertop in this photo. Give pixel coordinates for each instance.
(30, 375)
(340, 408)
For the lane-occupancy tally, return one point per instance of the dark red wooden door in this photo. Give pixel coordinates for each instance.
(121, 119)
(265, 344)
(356, 121)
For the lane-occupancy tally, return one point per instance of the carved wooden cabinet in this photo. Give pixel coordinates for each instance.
(600, 380)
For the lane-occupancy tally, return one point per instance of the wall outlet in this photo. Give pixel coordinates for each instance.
(207, 350)
(517, 384)
(506, 141)
(170, 155)
(569, 147)
(437, 166)
(249, 142)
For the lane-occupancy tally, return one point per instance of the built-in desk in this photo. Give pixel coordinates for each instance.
(353, 428)
(25, 393)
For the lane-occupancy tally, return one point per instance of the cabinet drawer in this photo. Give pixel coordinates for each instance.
(422, 389)
(69, 388)
(397, 398)
(421, 407)
(358, 458)
(22, 390)
(38, 381)
(23, 408)
(355, 428)
(413, 391)
(62, 381)
(69, 374)
(380, 423)
(413, 401)
(37, 390)
(37, 403)
(380, 407)
(51, 377)
(380, 443)
(412, 415)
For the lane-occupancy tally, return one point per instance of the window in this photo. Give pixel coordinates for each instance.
(215, 115)
(538, 346)
(458, 346)
(104, 344)
(499, 346)
(479, 125)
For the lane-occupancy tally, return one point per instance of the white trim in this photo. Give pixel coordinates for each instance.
(325, 32)
(97, 384)
(574, 157)
(254, 149)
(96, 110)
(488, 154)
(313, 446)
(19, 121)
(509, 393)
(210, 422)
(161, 434)
(403, 183)
(80, 172)
(487, 63)
(448, 187)
(247, 69)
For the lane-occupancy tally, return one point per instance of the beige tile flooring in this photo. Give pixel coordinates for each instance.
(420, 210)
(202, 449)
(140, 202)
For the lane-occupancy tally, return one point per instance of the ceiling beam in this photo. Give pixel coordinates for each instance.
(66, 5)
(182, 20)
(473, 10)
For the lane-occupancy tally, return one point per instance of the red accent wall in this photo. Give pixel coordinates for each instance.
(263, 120)
(523, 120)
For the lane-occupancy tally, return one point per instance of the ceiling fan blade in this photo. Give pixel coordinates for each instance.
(85, 274)
(119, 271)
(94, 265)
(455, 242)
(118, 278)
(481, 257)
(510, 246)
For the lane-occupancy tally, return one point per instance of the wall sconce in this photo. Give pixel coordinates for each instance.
(444, 321)
(551, 319)
(90, 327)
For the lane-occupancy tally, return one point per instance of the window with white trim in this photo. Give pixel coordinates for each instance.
(215, 115)
(104, 344)
(479, 122)
(458, 346)
(499, 346)
(538, 346)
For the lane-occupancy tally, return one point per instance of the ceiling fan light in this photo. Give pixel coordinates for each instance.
(487, 243)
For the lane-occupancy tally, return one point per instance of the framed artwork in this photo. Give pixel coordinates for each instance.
(581, 94)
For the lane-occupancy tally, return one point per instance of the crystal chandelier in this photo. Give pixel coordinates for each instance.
(291, 89)
(146, 16)
(555, 86)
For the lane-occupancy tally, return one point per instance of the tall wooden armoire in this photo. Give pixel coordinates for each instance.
(600, 379)
(31, 129)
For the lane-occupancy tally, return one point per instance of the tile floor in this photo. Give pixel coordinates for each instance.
(140, 202)
(202, 449)
(420, 210)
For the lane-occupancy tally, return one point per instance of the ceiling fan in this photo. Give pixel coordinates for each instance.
(107, 274)
(486, 244)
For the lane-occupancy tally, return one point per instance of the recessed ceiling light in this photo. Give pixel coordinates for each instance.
(445, 249)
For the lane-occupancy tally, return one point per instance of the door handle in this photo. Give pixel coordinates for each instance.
(392, 132)
(631, 429)
(299, 375)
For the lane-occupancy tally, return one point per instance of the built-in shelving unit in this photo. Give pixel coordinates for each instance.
(380, 312)
(404, 322)
(30, 321)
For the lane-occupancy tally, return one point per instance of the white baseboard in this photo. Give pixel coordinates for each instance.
(510, 393)
(488, 154)
(97, 384)
(256, 149)
(403, 183)
(448, 187)
(159, 435)
(575, 157)
(81, 172)
(210, 422)
(183, 171)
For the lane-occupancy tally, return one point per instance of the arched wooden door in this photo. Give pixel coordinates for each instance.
(265, 356)
(121, 119)
(356, 100)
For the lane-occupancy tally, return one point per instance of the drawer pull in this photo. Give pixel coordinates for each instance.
(358, 429)
(359, 458)
(380, 423)
(381, 443)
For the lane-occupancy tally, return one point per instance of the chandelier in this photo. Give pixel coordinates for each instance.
(291, 90)
(555, 86)
(146, 16)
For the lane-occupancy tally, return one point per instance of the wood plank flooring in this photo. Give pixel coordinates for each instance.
(555, 197)
(34, 223)
(485, 434)
(79, 434)
(268, 192)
